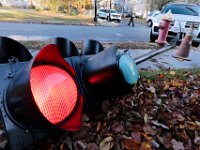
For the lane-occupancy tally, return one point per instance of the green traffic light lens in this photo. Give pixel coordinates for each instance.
(128, 69)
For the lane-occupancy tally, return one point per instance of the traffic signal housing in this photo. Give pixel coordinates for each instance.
(46, 93)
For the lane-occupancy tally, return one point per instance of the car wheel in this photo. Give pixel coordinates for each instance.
(153, 37)
(149, 23)
(195, 44)
(119, 20)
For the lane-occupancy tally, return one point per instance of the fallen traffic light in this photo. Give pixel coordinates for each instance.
(46, 93)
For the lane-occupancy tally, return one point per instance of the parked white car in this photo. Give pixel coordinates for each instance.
(103, 13)
(114, 15)
(183, 16)
(150, 17)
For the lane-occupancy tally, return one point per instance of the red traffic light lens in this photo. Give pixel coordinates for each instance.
(55, 92)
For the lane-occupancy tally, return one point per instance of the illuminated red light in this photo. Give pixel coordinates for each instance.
(55, 92)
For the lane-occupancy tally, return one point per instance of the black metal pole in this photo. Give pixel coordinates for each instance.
(95, 11)
(109, 11)
(123, 8)
(149, 55)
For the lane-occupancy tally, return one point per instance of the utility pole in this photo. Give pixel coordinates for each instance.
(109, 11)
(95, 11)
(123, 8)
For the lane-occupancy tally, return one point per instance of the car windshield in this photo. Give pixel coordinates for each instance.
(102, 10)
(113, 11)
(151, 13)
(183, 9)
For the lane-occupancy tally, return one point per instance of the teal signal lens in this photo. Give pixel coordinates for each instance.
(128, 69)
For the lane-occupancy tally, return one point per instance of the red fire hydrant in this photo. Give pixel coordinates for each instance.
(163, 28)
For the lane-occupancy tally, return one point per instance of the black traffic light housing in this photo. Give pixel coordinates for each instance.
(91, 74)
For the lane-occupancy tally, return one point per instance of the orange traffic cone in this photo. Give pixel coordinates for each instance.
(184, 49)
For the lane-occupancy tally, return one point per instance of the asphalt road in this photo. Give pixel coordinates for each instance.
(106, 32)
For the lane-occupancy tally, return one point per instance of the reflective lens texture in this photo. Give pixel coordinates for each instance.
(54, 91)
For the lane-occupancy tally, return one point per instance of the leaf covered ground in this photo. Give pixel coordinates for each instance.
(162, 112)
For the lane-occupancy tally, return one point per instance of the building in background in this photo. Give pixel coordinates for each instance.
(15, 3)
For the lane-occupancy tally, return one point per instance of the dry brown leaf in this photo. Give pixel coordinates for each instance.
(166, 87)
(117, 128)
(183, 135)
(148, 130)
(92, 146)
(181, 126)
(162, 75)
(160, 125)
(107, 143)
(173, 73)
(81, 145)
(177, 145)
(179, 117)
(119, 145)
(165, 141)
(98, 126)
(146, 137)
(136, 135)
(145, 146)
(177, 83)
(197, 140)
(148, 81)
(131, 144)
(191, 125)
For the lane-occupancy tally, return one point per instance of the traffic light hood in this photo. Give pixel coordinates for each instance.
(10, 47)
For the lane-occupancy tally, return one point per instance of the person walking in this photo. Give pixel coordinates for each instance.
(132, 16)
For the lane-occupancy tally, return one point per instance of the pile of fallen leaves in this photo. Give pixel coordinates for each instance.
(160, 113)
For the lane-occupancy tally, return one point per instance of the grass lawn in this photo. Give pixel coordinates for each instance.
(31, 15)
(182, 74)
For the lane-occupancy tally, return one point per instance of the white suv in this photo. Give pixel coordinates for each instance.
(114, 15)
(183, 16)
(150, 17)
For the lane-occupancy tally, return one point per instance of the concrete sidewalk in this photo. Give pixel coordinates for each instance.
(166, 61)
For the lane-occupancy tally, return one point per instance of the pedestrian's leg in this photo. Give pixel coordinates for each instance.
(133, 23)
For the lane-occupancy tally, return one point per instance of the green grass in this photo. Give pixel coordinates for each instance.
(170, 74)
(31, 15)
